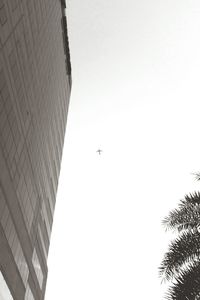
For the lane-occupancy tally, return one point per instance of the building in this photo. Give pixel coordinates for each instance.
(35, 85)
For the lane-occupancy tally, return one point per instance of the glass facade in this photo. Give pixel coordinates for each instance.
(14, 243)
(35, 86)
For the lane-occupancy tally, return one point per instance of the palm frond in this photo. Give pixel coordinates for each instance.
(193, 198)
(182, 250)
(186, 216)
(197, 176)
(187, 285)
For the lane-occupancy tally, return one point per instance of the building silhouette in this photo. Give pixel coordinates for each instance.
(35, 85)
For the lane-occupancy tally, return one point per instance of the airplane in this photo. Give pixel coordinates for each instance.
(99, 151)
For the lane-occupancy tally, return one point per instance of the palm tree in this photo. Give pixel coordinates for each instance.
(181, 263)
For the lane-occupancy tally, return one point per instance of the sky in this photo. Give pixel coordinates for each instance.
(135, 95)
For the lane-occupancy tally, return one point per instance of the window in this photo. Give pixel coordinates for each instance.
(37, 267)
(13, 241)
(28, 295)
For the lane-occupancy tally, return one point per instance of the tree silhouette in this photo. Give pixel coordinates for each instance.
(181, 263)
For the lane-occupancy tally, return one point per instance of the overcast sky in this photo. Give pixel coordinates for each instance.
(136, 95)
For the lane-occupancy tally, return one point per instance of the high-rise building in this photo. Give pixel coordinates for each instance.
(35, 85)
